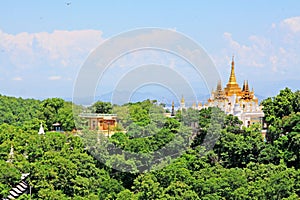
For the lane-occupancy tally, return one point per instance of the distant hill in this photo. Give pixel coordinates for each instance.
(123, 97)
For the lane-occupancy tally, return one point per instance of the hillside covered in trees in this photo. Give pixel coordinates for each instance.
(67, 165)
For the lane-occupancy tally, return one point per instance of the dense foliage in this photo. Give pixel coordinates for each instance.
(29, 113)
(238, 164)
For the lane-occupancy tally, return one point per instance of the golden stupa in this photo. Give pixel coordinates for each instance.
(232, 86)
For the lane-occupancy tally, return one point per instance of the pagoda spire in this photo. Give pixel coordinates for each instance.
(182, 103)
(246, 92)
(232, 78)
(182, 99)
(41, 131)
(244, 86)
(219, 86)
(219, 94)
(247, 86)
(232, 87)
(173, 110)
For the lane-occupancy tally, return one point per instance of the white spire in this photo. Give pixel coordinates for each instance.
(41, 131)
(11, 154)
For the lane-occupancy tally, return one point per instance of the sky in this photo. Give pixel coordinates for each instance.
(44, 44)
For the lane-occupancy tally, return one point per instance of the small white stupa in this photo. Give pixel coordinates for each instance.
(41, 131)
(11, 154)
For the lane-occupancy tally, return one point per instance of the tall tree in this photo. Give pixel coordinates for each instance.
(102, 107)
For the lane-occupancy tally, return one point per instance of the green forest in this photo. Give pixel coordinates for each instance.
(78, 163)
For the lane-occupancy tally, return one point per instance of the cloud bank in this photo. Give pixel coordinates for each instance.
(29, 58)
(57, 49)
(274, 52)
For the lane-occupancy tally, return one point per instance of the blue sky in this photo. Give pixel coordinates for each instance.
(43, 44)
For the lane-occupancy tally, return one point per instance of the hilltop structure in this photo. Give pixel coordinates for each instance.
(102, 122)
(232, 99)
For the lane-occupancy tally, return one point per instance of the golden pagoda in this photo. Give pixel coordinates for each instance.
(232, 86)
(236, 101)
(182, 103)
(233, 100)
(182, 100)
(194, 105)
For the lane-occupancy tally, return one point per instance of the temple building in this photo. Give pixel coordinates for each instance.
(233, 99)
(182, 103)
(101, 122)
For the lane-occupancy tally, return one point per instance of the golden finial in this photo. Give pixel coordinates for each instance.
(182, 99)
(194, 105)
(232, 78)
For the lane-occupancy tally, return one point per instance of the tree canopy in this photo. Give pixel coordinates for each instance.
(239, 164)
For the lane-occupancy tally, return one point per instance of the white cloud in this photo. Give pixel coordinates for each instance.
(247, 54)
(54, 78)
(58, 49)
(18, 78)
(274, 52)
(269, 59)
(293, 24)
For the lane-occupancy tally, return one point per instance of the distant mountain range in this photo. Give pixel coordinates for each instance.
(124, 97)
